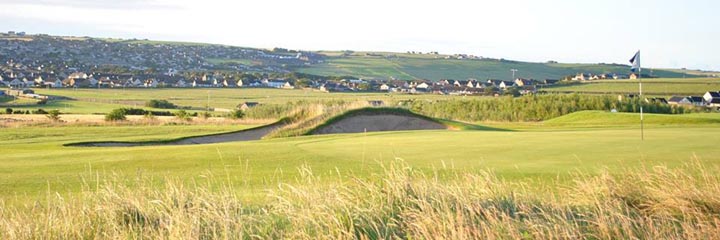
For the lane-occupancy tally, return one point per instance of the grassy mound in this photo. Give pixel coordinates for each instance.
(602, 118)
(425, 122)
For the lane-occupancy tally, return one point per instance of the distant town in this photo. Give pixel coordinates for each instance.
(43, 61)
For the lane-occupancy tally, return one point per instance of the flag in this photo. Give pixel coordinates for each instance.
(635, 61)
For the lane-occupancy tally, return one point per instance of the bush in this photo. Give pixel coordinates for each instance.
(40, 111)
(116, 115)
(533, 108)
(183, 115)
(160, 104)
(237, 114)
(8, 111)
(53, 115)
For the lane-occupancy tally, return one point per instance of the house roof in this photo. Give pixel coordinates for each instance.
(695, 99)
(715, 94)
(676, 99)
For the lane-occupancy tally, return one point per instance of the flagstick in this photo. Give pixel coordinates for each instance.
(642, 127)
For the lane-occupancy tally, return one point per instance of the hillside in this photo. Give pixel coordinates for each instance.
(435, 67)
(57, 53)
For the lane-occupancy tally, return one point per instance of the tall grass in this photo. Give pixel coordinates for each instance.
(401, 202)
(304, 118)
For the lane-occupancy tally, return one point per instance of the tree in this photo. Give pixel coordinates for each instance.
(53, 115)
(491, 90)
(116, 115)
(160, 104)
(513, 91)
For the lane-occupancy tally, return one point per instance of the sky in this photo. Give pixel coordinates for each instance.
(670, 34)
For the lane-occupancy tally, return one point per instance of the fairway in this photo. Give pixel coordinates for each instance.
(35, 162)
(658, 87)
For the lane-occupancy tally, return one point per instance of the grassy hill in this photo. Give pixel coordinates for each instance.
(435, 67)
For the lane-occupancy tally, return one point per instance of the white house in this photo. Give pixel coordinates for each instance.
(279, 84)
(422, 85)
(709, 96)
(384, 87)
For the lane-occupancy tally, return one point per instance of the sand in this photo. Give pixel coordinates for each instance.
(244, 135)
(378, 122)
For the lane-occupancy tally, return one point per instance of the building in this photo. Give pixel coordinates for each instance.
(247, 105)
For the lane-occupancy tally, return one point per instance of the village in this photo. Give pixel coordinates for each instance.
(47, 62)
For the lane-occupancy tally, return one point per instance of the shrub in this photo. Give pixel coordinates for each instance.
(237, 114)
(116, 115)
(53, 115)
(183, 115)
(40, 111)
(8, 111)
(160, 104)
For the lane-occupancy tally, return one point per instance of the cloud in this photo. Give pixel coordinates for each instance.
(99, 4)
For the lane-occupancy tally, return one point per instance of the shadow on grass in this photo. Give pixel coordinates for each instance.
(455, 125)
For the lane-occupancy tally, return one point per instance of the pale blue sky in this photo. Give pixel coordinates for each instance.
(670, 33)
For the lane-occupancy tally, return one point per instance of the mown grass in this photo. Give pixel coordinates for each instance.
(658, 87)
(604, 118)
(399, 202)
(34, 157)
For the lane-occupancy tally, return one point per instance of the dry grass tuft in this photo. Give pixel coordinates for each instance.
(658, 203)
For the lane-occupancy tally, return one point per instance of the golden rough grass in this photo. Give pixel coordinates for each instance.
(401, 203)
(99, 120)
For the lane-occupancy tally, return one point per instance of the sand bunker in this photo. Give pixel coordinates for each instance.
(375, 122)
(357, 122)
(244, 135)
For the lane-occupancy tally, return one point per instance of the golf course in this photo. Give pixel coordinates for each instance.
(335, 146)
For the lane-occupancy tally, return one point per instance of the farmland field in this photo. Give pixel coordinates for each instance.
(431, 67)
(88, 101)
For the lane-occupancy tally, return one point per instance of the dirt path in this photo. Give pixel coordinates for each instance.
(378, 122)
(244, 135)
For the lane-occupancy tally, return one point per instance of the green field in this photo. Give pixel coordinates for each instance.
(409, 67)
(658, 87)
(89, 101)
(35, 160)
(247, 62)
